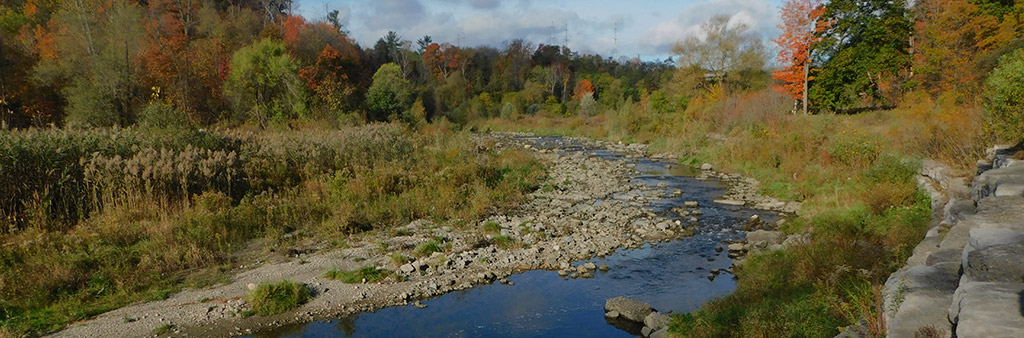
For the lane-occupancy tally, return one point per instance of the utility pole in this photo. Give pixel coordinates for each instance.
(615, 38)
(566, 35)
(551, 33)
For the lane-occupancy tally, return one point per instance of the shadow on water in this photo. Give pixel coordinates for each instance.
(672, 277)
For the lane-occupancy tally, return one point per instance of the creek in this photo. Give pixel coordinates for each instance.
(672, 276)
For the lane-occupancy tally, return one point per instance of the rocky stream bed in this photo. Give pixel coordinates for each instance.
(611, 220)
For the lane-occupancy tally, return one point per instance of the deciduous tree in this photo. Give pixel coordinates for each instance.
(800, 23)
(865, 54)
(722, 49)
(95, 60)
(264, 83)
(390, 93)
(442, 59)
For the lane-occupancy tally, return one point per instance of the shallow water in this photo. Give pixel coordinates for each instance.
(672, 277)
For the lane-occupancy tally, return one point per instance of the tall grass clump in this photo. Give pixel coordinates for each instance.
(274, 298)
(369, 274)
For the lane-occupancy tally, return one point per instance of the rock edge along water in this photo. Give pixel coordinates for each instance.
(966, 278)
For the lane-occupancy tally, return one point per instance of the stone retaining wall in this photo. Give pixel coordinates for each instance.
(966, 278)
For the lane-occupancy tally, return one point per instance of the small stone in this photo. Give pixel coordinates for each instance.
(690, 204)
(604, 267)
(707, 167)
(612, 314)
(251, 286)
(646, 331)
(730, 202)
(419, 305)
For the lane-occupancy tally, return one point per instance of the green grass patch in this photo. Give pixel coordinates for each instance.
(274, 298)
(369, 273)
(163, 329)
(426, 248)
(504, 242)
(491, 227)
(399, 259)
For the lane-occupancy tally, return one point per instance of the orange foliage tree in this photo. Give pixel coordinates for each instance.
(333, 79)
(171, 29)
(951, 34)
(800, 22)
(442, 59)
(583, 87)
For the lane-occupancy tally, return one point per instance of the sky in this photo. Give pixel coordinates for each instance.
(647, 28)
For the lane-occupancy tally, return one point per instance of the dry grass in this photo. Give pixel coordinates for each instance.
(116, 218)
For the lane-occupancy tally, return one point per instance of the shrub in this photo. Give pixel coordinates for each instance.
(1006, 97)
(368, 273)
(274, 298)
(159, 115)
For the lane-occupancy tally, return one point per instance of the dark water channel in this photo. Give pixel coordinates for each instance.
(672, 277)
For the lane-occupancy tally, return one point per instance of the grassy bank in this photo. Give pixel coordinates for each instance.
(102, 218)
(854, 174)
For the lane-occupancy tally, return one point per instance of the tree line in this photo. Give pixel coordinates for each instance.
(121, 62)
(200, 62)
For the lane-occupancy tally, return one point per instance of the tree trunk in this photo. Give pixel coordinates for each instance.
(807, 68)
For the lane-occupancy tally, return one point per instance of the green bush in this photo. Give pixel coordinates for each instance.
(1005, 108)
(892, 169)
(159, 115)
(274, 298)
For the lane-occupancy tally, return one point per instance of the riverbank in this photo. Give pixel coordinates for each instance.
(560, 225)
(855, 176)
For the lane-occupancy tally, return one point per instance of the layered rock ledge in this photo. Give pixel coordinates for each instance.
(966, 278)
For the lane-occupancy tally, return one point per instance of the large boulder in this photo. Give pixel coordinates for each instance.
(1009, 189)
(764, 238)
(656, 321)
(997, 263)
(916, 297)
(629, 309)
(985, 309)
(984, 238)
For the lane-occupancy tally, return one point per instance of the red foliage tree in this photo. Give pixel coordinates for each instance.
(333, 79)
(800, 22)
(583, 87)
(442, 59)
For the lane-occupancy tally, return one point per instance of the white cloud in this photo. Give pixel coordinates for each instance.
(759, 15)
(648, 28)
